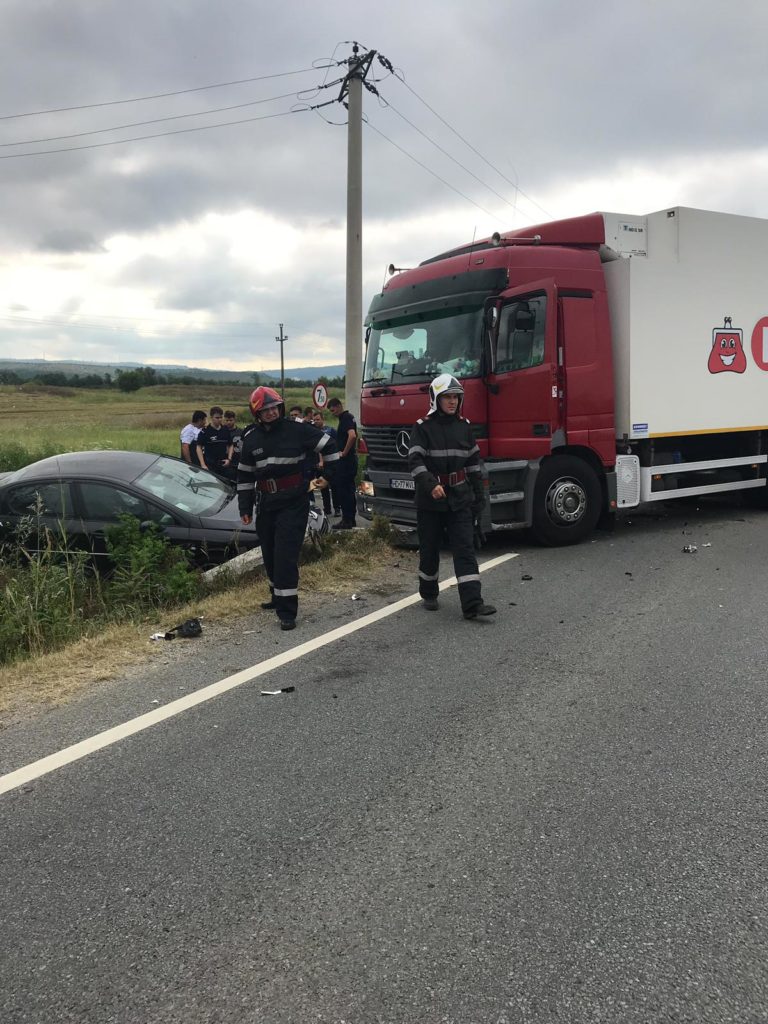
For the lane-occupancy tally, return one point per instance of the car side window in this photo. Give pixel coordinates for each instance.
(50, 499)
(521, 334)
(102, 501)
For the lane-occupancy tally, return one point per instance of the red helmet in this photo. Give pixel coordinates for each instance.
(264, 398)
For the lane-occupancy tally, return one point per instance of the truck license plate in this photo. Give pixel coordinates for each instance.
(401, 484)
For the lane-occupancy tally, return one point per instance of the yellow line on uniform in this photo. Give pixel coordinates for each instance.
(68, 755)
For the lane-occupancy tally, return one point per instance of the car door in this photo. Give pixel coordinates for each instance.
(524, 411)
(101, 504)
(39, 513)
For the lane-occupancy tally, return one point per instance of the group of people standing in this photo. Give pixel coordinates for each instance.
(213, 441)
(281, 461)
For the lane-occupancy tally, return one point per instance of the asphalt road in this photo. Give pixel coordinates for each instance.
(559, 815)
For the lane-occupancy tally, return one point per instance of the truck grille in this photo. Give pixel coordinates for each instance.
(382, 442)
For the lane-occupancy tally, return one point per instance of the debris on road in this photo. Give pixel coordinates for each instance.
(526, 577)
(188, 628)
(274, 693)
(690, 549)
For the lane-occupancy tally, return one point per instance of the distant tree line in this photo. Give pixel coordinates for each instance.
(146, 377)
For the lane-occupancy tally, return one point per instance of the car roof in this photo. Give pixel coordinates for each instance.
(122, 467)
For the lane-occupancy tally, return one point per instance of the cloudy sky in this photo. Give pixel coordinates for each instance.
(192, 247)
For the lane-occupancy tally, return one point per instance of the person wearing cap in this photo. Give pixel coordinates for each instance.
(276, 463)
(445, 464)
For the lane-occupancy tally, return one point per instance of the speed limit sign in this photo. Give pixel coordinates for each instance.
(320, 395)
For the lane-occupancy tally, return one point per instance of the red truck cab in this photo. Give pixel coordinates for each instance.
(522, 320)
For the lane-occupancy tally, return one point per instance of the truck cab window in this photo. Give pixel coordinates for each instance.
(520, 340)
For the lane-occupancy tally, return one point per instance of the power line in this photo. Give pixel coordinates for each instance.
(430, 171)
(156, 135)
(140, 124)
(118, 330)
(446, 153)
(7, 315)
(177, 327)
(162, 95)
(401, 77)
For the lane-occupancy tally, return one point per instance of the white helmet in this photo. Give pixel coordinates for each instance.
(445, 384)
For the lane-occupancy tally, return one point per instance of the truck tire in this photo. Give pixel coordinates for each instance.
(566, 501)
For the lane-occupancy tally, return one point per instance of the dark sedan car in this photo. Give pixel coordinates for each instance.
(85, 492)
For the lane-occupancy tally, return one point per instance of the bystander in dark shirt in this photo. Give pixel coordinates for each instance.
(214, 442)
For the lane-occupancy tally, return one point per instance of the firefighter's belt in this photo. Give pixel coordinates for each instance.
(452, 479)
(280, 483)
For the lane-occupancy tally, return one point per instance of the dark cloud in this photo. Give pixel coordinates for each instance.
(69, 240)
(547, 94)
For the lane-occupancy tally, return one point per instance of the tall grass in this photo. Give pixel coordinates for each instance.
(51, 593)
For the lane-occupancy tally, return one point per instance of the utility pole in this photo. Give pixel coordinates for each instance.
(352, 96)
(282, 339)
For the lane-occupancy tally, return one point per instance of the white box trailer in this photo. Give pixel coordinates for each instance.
(689, 317)
(688, 302)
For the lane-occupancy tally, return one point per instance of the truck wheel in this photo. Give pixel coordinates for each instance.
(566, 501)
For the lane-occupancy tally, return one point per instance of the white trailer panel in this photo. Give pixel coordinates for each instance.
(689, 323)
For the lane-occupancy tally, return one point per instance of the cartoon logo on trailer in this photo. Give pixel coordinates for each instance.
(727, 355)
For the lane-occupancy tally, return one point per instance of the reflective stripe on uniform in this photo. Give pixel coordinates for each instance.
(423, 576)
(246, 467)
(286, 593)
(444, 453)
(247, 486)
(322, 442)
(332, 458)
(275, 460)
(468, 579)
(474, 469)
(417, 448)
(419, 469)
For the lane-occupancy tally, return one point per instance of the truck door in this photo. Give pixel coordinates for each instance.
(523, 407)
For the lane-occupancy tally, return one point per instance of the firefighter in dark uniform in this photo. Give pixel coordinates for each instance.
(275, 465)
(445, 464)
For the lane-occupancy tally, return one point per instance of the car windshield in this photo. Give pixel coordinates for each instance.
(189, 488)
(417, 348)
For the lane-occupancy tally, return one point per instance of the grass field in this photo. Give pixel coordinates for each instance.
(44, 421)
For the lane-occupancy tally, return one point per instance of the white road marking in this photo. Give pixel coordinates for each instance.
(36, 769)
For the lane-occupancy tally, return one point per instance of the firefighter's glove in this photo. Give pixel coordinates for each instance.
(479, 535)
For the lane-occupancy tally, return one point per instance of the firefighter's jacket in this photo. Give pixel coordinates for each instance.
(279, 454)
(442, 451)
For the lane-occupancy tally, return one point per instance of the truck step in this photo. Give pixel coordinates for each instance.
(506, 496)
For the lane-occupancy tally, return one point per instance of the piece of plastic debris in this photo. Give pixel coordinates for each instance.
(273, 693)
(627, 573)
(163, 636)
(154, 702)
(526, 577)
(513, 604)
(355, 597)
(707, 545)
(690, 549)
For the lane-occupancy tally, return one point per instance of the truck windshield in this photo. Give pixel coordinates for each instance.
(418, 347)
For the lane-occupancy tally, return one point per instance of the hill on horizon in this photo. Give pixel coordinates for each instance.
(31, 367)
